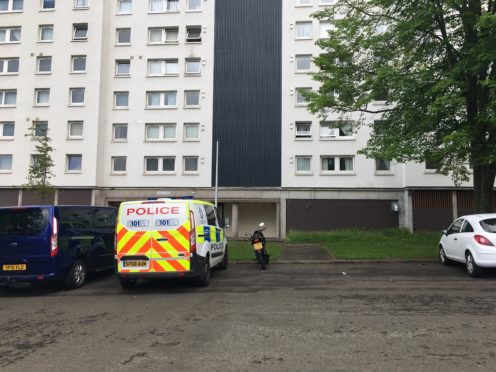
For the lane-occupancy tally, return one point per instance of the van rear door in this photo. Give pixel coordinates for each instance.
(25, 234)
(134, 227)
(170, 237)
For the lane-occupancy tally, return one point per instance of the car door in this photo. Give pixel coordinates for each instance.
(450, 243)
(216, 235)
(466, 236)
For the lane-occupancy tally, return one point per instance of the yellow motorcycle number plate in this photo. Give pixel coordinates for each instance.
(21, 267)
(257, 246)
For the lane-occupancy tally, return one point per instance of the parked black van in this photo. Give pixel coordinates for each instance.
(39, 243)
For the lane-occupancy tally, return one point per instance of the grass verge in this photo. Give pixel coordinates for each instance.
(243, 251)
(356, 244)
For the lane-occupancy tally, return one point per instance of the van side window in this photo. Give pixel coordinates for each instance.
(210, 215)
(75, 218)
(104, 218)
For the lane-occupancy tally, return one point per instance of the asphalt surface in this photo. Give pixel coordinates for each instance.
(327, 317)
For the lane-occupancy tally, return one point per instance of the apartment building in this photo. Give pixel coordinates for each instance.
(135, 95)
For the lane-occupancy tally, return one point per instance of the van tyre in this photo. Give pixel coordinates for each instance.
(128, 283)
(473, 269)
(203, 280)
(77, 275)
(225, 261)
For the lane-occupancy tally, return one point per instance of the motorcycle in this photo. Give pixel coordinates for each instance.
(258, 241)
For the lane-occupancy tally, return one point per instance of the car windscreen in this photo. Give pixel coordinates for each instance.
(489, 225)
(23, 221)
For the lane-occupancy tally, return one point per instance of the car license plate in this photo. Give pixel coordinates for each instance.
(135, 264)
(257, 246)
(20, 267)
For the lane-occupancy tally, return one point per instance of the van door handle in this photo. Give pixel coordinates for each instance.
(455, 239)
(162, 239)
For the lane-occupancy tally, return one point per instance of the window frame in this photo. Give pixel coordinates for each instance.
(120, 2)
(191, 139)
(192, 91)
(383, 171)
(163, 37)
(162, 94)
(7, 170)
(41, 28)
(164, 63)
(306, 37)
(8, 34)
(117, 34)
(336, 131)
(160, 165)
(112, 165)
(301, 71)
(122, 62)
(76, 6)
(40, 128)
(117, 93)
(303, 137)
(191, 157)
(10, 7)
(73, 59)
(297, 95)
(305, 172)
(193, 40)
(37, 92)
(38, 60)
(337, 165)
(46, 9)
(3, 137)
(194, 10)
(161, 131)
(165, 5)
(187, 61)
(3, 94)
(114, 131)
(70, 124)
(5, 65)
(71, 101)
(68, 163)
(76, 27)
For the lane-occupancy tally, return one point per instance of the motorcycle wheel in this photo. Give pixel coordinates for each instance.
(261, 260)
(266, 258)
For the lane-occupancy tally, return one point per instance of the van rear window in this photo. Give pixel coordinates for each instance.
(489, 225)
(28, 221)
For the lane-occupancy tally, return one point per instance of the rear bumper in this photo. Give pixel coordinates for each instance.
(25, 278)
(483, 259)
(196, 264)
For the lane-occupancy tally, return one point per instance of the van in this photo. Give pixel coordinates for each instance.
(169, 238)
(39, 243)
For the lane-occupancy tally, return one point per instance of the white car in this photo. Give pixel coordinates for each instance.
(471, 240)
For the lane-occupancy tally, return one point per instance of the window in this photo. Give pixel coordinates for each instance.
(78, 64)
(74, 163)
(119, 164)
(190, 164)
(75, 130)
(160, 132)
(336, 129)
(161, 164)
(44, 65)
(76, 96)
(41, 97)
(191, 131)
(432, 165)
(8, 97)
(157, 6)
(119, 132)
(194, 5)
(5, 163)
(40, 128)
(325, 27)
(192, 98)
(78, 4)
(193, 66)
(303, 62)
(303, 30)
(123, 36)
(327, 2)
(10, 35)
(122, 67)
(9, 66)
(7, 129)
(161, 67)
(336, 164)
(166, 35)
(455, 227)
(11, 5)
(193, 34)
(121, 100)
(303, 164)
(80, 32)
(382, 165)
(303, 129)
(467, 227)
(303, 2)
(46, 33)
(124, 6)
(47, 4)
(166, 99)
(300, 98)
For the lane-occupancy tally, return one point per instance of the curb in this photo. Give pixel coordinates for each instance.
(342, 262)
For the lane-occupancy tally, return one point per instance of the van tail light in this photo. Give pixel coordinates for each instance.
(482, 240)
(192, 233)
(54, 245)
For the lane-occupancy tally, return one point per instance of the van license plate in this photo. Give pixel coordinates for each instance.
(138, 264)
(257, 246)
(21, 267)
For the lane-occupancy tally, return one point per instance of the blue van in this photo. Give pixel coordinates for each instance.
(64, 243)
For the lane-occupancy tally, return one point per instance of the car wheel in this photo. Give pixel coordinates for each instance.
(473, 269)
(203, 280)
(225, 261)
(77, 275)
(442, 256)
(128, 283)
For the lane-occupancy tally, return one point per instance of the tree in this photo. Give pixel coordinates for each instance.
(40, 169)
(436, 61)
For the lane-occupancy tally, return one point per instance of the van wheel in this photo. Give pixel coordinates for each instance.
(225, 261)
(77, 275)
(203, 280)
(128, 283)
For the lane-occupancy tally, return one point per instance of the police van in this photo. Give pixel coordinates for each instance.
(168, 238)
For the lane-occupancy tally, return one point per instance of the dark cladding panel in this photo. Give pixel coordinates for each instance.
(8, 198)
(247, 92)
(35, 198)
(74, 197)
